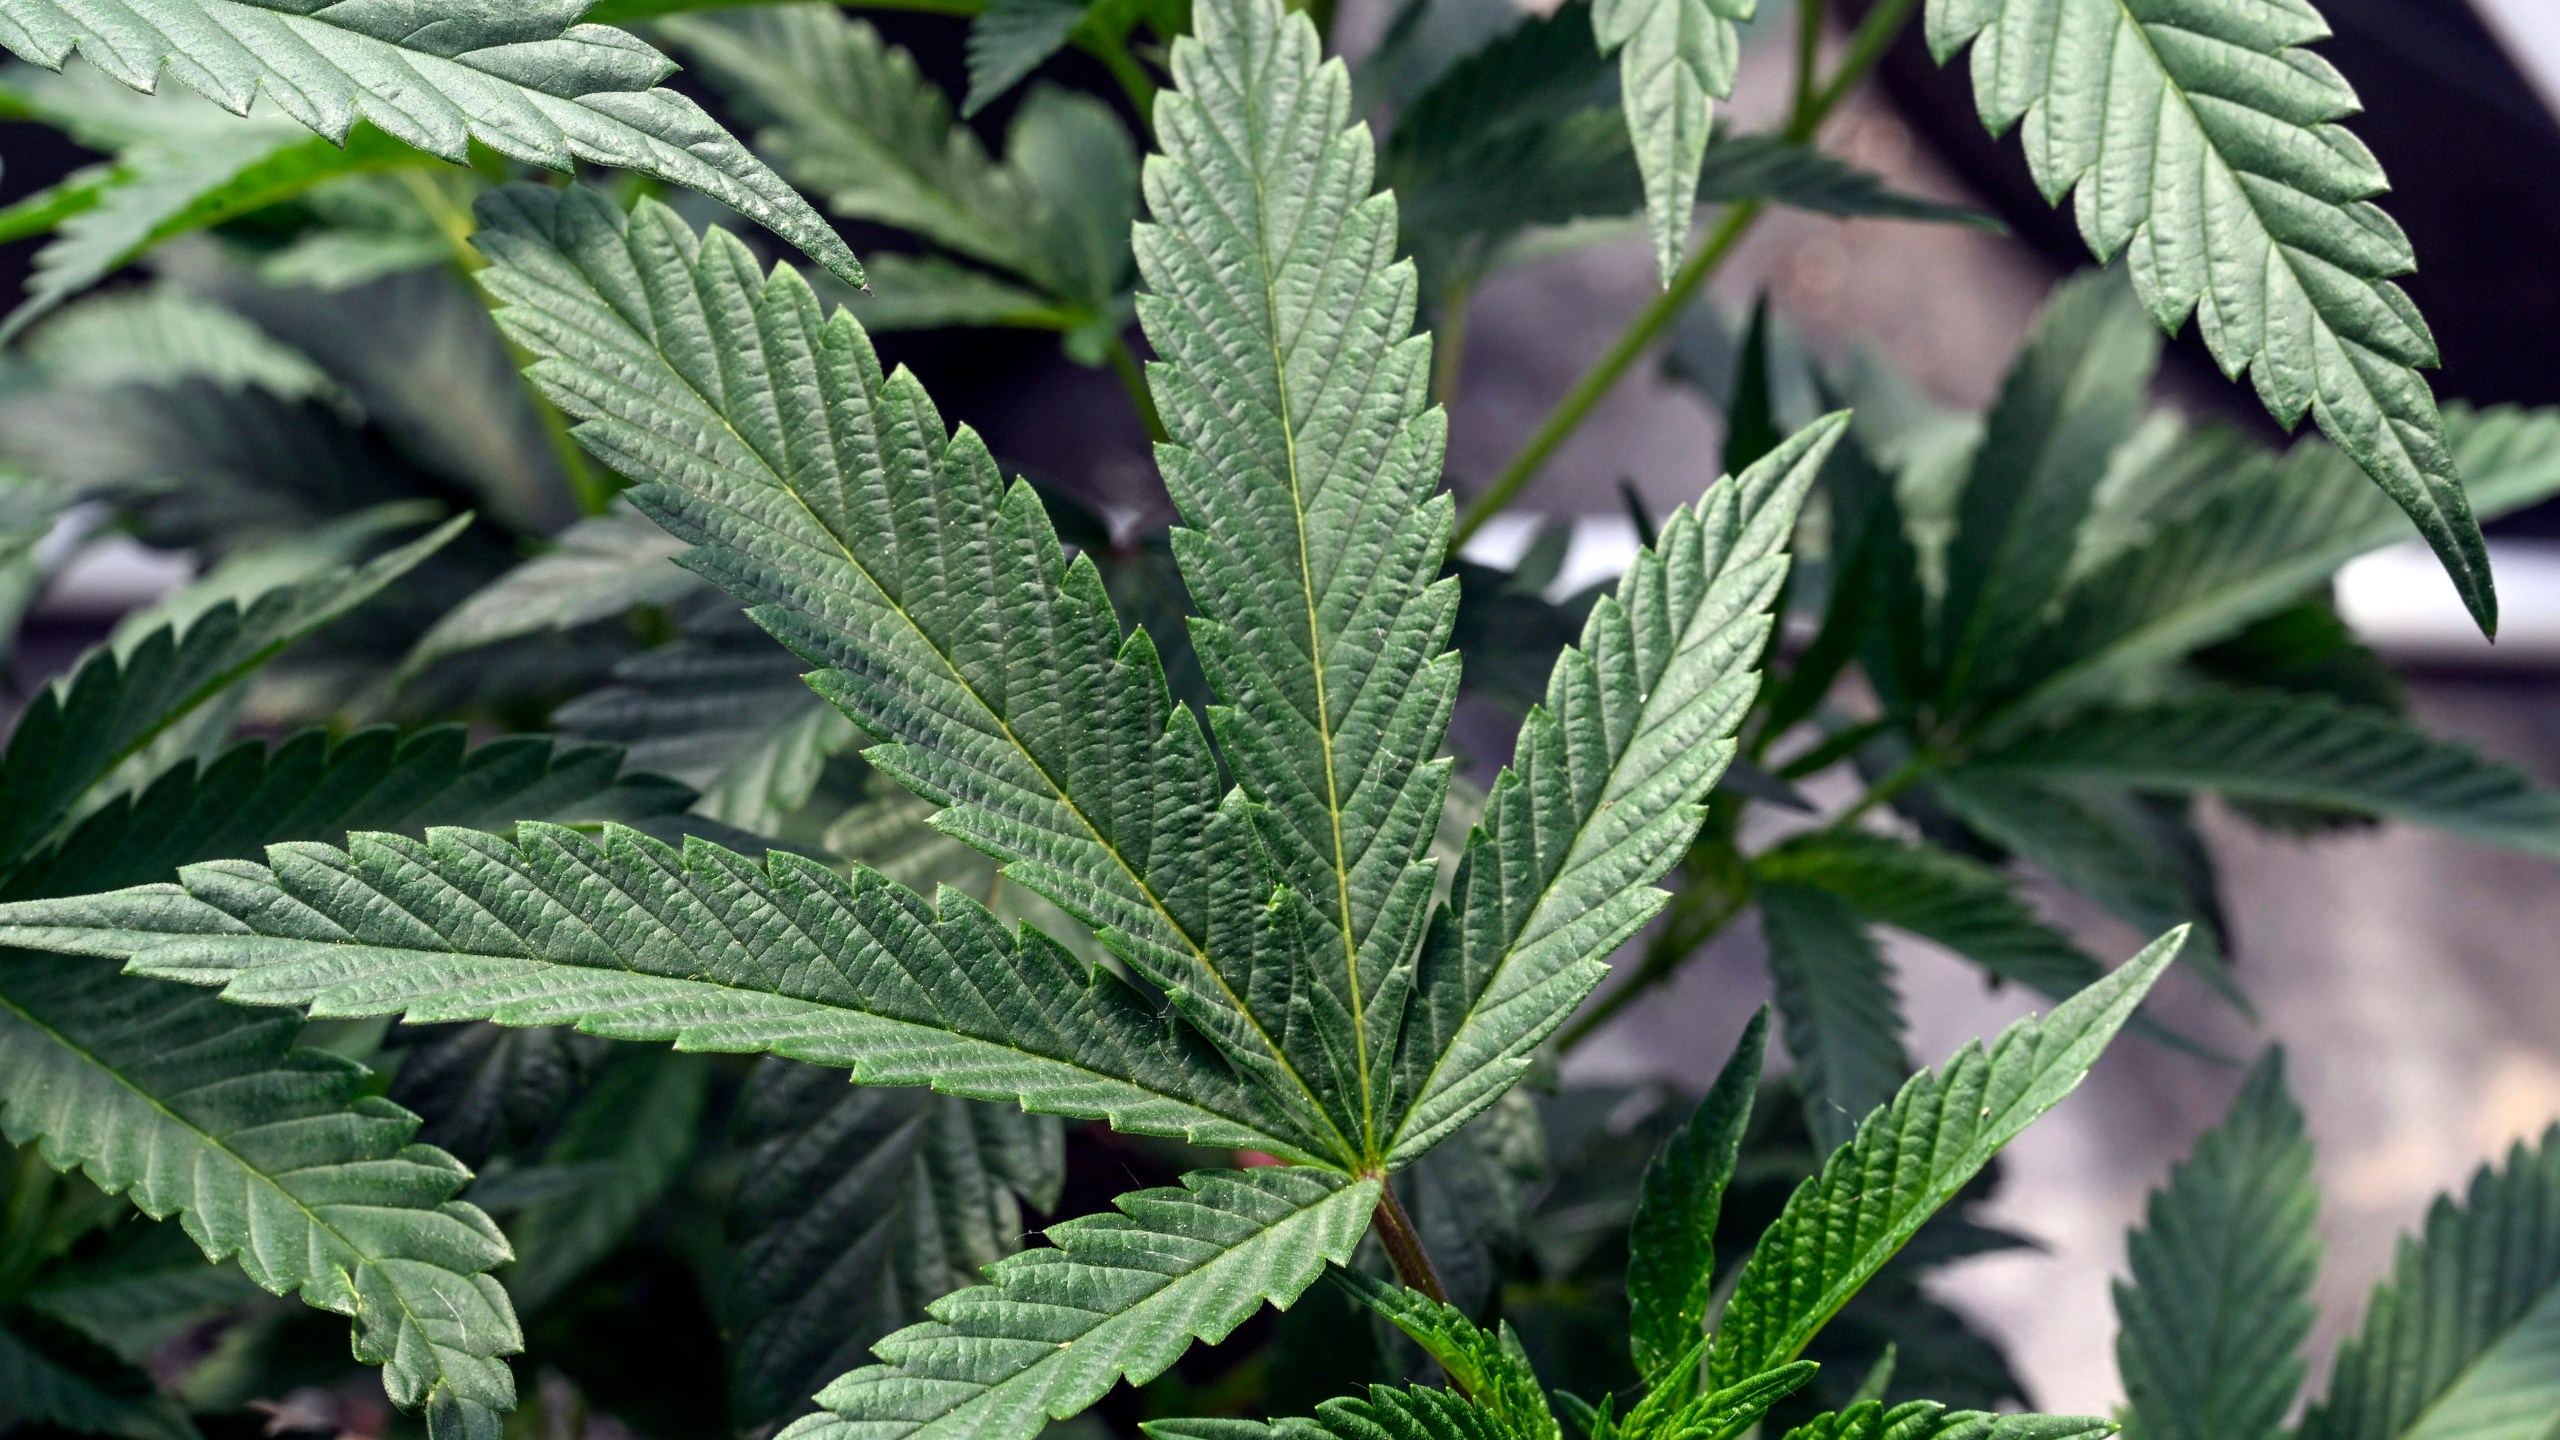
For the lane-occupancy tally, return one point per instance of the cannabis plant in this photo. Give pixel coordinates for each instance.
(1015, 810)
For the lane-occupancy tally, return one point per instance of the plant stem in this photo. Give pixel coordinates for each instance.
(1448, 351)
(1808, 55)
(1866, 47)
(1134, 380)
(1403, 1244)
(1603, 376)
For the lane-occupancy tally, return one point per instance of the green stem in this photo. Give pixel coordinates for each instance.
(1902, 777)
(1402, 1241)
(1603, 376)
(1107, 47)
(1866, 47)
(1448, 352)
(1808, 55)
(1134, 380)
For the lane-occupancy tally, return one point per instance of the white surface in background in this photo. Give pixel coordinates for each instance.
(113, 576)
(2530, 30)
(2399, 602)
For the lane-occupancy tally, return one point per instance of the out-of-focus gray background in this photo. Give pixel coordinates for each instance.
(2415, 978)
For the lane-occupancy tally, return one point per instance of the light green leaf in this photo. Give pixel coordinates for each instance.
(597, 569)
(1120, 1296)
(858, 1208)
(121, 698)
(2202, 142)
(1671, 1254)
(1010, 39)
(2301, 749)
(525, 80)
(1844, 1022)
(1604, 791)
(267, 1153)
(2463, 1341)
(1305, 466)
(1491, 1367)
(785, 957)
(2067, 404)
(2212, 1324)
(1928, 1420)
(2255, 543)
(1407, 1414)
(1940, 896)
(1909, 1159)
(1675, 59)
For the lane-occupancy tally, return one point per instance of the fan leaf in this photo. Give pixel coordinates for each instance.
(525, 79)
(1676, 58)
(1908, 1160)
(2202, 143)
(1928, 1420)
(1671, 1255)
(1844, 1021)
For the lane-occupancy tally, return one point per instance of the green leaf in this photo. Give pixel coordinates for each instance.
(316, 787)
(51, 1376)
(1120, 1296)
(857, 1209)
(1721, 1414)
(1938, 895)
(2211, 1327)
(785, 957)
(1928, 1420)
(2067, 404)
(483, 1089)
(268, 1153)
(629, 1138)
(162, 335)
(1671, 1254)
(1407, 1414)
(120, 699)
(1844, 1022)
(1305, 466)
(2202, 142)
(2263, 536)
(2460, 1342)
(926, 292)
(597, 569)
(527, 81)
(1909, 1159)
(1783, 172)
(1604, 791)
(1010, 39)
(2301, 749)
(1491, 1367)
(1675, 59)
(148, 1286)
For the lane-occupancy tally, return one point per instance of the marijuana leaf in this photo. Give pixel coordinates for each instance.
(1675, 59)
(1671, 1246)
(2457, 1344)
(1602, 797)
(1491, 1368)
(1844, 1017)
(1928, 1420)
(2202, 143)
(1119, 1296)
(2213, 1322)
(1908, 1160)
(528, 82)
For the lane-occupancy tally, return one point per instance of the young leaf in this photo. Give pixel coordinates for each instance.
(1675, 59)
(1671, 1254)
(1406, 1414)
(121, 698)
(1119, 1296)
(1909, 1159)
(623, 937)
(858, 1208)
(2459, 1344)
(1004, 690)
(1938, 895)
(1928, 1420)
(2211, 1326)
(2303, 749)
(1491, 1368)
(527, 81)
(2067, 404)
(1305, 465)
(1604, 792)
(1844, 1022)
(270, 1154)
(2202, 142)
